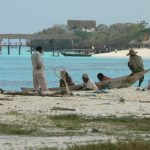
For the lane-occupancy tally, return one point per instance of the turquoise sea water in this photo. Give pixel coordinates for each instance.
(16, 70)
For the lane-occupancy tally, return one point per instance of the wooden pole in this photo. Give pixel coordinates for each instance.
(19, 46)
(72, 43)
(19, 49)
(52, 46)
(31, 50)
(0, 44)
(8, 47)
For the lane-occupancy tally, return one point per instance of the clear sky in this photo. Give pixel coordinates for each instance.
(29, 16)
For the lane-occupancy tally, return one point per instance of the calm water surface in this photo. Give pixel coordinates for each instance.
(16, 71)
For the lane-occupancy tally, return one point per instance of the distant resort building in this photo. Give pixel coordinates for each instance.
(88, 25)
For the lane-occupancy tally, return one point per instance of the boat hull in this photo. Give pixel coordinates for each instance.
(76, 55)
(120, 82)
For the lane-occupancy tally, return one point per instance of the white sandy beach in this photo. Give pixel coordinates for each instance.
(125, 102)
(144, 52)
(116, 103)
(89, 103)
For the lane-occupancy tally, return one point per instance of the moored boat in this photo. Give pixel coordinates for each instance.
(76, 54)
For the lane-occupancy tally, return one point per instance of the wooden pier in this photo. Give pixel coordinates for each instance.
(29, 37)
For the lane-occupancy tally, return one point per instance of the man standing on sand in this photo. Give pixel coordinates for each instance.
(39, 80)
(135, 64)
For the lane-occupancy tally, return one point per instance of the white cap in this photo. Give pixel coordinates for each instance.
(85, 75)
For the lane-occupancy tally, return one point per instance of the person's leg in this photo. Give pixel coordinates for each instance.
(35, 82)
(1, 91)
(141, 80)
(42, 82)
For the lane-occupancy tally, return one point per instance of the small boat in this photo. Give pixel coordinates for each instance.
(76, 54)
(120, 82)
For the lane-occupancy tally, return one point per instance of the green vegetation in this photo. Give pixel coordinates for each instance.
(44, 148)
(104, 38)
(8, 129)
(123, 129)
(13, 113)
(126, 123)
(63, 125)
(133, 145)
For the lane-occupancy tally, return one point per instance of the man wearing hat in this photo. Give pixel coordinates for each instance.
(135, 64)
(88, 84)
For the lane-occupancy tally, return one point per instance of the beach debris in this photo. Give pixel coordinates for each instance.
(101, 91)
(63, 109)
(94, 130)
(143, 89)
(7, 98)
(144, 101)
(106, 104)
(138, 89)
(122, 100)
(33, 93)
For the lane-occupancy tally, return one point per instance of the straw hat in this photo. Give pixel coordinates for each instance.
(131, 52)
(85, 75)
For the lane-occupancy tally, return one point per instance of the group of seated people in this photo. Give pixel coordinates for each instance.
(88, 84)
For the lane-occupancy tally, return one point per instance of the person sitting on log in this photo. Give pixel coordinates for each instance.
(101, 77)
(67, 78)
(88, 84)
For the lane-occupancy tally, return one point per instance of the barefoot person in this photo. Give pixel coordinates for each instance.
(39, 81)
(135, 64)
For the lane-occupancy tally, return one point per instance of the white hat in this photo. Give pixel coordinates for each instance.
(85, 75)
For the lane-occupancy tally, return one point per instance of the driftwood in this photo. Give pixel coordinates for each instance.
(61, 89)
(30, 93)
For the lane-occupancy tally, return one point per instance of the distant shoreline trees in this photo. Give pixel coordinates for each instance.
(104, 38)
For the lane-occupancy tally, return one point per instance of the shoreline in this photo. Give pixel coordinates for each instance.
(143, 52)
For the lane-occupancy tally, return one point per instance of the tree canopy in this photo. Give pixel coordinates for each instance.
(104, 38)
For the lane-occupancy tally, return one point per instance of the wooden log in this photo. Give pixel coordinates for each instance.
(61, 89)
(120, 82)
(30, 93)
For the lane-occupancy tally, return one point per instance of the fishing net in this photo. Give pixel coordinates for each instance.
(59, 71)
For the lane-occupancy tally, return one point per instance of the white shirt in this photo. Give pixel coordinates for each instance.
(90, 85)
(37, 61)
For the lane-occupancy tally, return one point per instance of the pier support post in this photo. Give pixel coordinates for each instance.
(8, 46)
(8, 49)
(19, 49)
(0, 50)
(51, 45)
(20, 46)
(31, 50)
